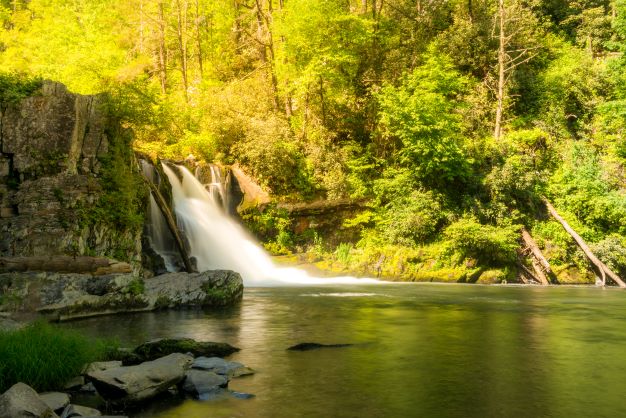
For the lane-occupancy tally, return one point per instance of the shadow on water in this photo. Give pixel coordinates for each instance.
(420, 351)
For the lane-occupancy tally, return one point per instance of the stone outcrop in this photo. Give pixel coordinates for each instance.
(52, 173)
(137, 383)
(66, 296)
(21, 401)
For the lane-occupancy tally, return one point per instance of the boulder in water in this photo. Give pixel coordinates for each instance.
(159, 348)
(221, 367)
(137, 383)
(315, 346)
(199, 382)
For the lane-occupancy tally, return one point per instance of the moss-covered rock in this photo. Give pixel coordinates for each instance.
(159, 348)
(62, 296)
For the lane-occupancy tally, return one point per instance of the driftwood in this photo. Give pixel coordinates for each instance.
(526, 276)
(171, 224)
(602, 269)
(539, 262)
(64, 264)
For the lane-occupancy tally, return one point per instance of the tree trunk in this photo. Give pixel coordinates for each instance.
(532, 245)
(501, 76)
(267, 41)
(162, 51)
(600, 266)
(171, 224)
(539, 262)
(181, 29)
(526, 275)
(199, 40)
(64, 264)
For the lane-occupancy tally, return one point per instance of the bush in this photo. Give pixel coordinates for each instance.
(612, 251)
(274, 158)
(413, 218)
(491, 245)
(342, 252)
(15, 87)
(44, 357)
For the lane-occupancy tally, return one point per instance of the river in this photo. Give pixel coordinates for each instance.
(421, 350)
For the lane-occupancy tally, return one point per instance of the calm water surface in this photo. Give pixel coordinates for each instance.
(422, 350)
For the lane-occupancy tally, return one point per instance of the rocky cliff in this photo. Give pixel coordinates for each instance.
(68, 180)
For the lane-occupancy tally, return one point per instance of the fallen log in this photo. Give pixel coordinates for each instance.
(532, 245)
(602, 269)
(64, 264)
(526, 276)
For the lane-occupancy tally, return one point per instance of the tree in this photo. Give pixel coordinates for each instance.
(517, 39)
(423, 114)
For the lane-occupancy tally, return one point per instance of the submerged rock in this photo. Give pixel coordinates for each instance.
(159, 348)
(315, 346)
(198, 382)
(221, 393)
(222, 367)
(21, 401)
(137, 383)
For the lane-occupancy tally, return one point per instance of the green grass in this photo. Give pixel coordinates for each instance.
(45, 357)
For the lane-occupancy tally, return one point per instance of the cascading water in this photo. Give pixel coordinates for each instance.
(217, 242)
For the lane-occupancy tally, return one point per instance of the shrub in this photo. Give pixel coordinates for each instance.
(342, 252)
(44, 357)
(413, 218)
(612, 251)
(491, 245)
(15, 87)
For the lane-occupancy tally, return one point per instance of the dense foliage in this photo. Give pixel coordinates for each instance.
(452, 119)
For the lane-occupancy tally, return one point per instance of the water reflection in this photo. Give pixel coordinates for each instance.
(421, 351)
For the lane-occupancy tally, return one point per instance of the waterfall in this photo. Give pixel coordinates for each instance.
(217, 242)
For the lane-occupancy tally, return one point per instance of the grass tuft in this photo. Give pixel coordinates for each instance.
(45, 357)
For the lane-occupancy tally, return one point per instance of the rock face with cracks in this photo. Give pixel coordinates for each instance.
(52, 148)
(67, 296)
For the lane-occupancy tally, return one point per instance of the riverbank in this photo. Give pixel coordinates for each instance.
(47, 370)
(408, 266)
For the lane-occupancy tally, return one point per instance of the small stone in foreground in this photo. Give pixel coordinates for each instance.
(55, 400)
(21, 401)
(221, 366)
(201, 381)
(79, 411)
(136, 383)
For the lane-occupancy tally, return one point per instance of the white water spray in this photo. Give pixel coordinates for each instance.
(217, 242)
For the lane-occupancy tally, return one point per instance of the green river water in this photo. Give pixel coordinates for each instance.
(421, 350)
